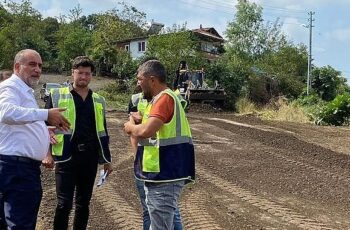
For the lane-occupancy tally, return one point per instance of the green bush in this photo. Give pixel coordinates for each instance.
(115, 97)
(336, 112)
(311, 105)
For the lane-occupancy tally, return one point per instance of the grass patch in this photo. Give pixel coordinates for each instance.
(278, 110)
(245, 106)
(286, 112)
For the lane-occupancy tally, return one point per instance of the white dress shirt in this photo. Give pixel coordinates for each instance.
(23, 131)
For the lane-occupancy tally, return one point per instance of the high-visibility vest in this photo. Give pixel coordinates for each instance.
(138, 101)
(169, 156)
(181, 98)
(141, 103)
(62, 98)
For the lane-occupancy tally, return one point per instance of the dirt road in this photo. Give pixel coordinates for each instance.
(250, 175)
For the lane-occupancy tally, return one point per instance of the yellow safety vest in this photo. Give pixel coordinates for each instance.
(62, 98)
(169, 156)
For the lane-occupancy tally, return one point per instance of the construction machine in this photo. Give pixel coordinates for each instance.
(192, 86)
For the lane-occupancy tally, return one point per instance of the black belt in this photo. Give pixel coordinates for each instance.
(20, 159)
(86, 146)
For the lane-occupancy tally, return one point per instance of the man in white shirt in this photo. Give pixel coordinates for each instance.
(24, 142)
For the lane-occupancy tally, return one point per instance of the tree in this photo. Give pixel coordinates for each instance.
(113, 26)
(328, 82)
(287, 66)
(50, 27)
(20, 29)
(260, 51)
(247, 35)
(73, 40)
(172, 48)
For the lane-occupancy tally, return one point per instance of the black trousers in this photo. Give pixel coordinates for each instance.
(77, 174)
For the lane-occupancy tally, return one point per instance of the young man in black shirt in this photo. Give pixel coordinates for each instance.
(78, 151)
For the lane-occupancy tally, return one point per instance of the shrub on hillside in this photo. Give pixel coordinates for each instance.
(311, 105)
(336, 112)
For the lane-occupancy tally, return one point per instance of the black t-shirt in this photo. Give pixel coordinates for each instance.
(85, 128)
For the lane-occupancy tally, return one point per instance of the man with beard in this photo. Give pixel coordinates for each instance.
(165, 154)
(78, 151)
(24, 142)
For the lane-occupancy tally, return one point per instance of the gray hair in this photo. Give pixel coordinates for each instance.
(153, 68)
(21, 55)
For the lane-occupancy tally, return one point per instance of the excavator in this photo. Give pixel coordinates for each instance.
(192, 86)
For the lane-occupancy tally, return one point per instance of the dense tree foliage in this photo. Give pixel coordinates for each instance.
(109, 28)
(258, 63)
(21, 27)
(328, 83)
(272, 66)
(60, 39)
(173, 47)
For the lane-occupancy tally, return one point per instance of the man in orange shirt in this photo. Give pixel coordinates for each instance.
(165, 153)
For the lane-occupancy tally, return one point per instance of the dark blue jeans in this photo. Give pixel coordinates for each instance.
(20, 192)
(146, 218)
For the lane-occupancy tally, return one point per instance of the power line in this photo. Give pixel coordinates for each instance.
(283, 9)
(208, 8)
(215, 5)
(284, 16)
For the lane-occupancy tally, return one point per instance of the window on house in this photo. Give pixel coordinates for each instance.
(126, 47)
(142, 46)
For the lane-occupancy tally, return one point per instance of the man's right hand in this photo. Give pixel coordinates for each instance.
(136, 116)
(57, 119)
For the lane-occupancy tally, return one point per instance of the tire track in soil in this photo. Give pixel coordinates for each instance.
(285, 214)
(316, 170)
(336, 176)
(287, 160)
(194, 214)
(123, 216)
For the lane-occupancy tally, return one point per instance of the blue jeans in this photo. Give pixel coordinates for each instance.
(146, 218)
(20, 192)
(162, 203)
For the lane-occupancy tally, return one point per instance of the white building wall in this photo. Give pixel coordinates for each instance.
(134, 48)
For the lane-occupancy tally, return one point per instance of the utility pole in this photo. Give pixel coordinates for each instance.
(309, 61)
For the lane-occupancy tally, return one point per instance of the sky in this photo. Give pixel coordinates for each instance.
(331, 25)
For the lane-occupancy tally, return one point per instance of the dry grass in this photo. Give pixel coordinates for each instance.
(278, 110)
(286, 112)
(245, 106)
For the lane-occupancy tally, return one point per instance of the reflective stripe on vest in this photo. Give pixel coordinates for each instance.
(175, 132)
(62, 98)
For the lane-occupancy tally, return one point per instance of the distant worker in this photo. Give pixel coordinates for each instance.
(24, 142)
(165, 152)
(137, 106)
(80, 150)
(182, 77)
(5, 74)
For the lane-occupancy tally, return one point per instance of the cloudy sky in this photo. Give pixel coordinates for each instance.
(331, 31)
